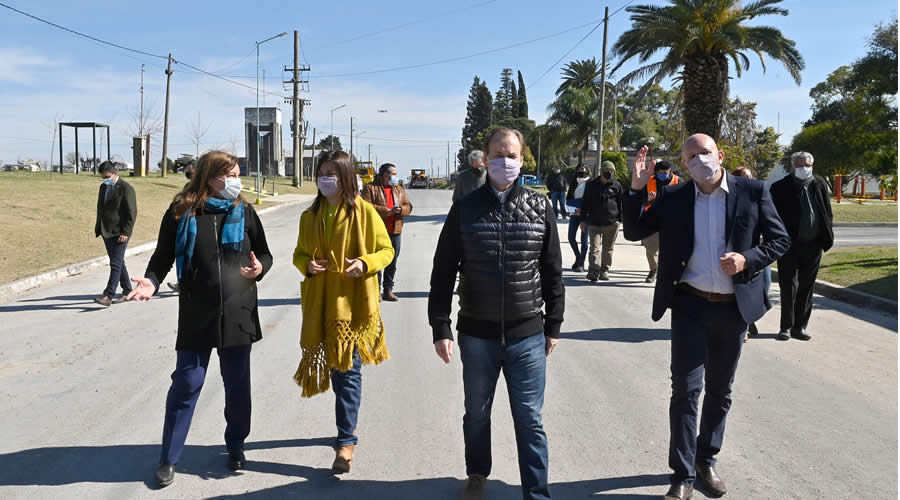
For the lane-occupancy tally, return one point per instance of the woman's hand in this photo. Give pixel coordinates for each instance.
(143, 291)
(355, 268)
(316, 266)
(254, 270)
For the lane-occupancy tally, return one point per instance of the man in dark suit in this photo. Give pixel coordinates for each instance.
(710, 276)
(804, 205)
(116, 213)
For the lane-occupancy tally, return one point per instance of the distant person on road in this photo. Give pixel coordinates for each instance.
(116, 214)
(218, 246)
(503, 241)
(390, 200)
(663, 175)
(752, 330)
(557, 185)
(342, 245)
(472, 178)
(574, 198)
(804, 205)
(601, 211)
(710, 265)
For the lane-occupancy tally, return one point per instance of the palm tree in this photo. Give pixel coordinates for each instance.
(573, 117)
(583, 74)
(699, 38)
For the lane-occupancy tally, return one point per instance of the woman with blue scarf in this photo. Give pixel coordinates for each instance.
(218, 246)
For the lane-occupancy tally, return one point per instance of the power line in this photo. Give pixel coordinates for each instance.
(201, 70)
(369, 138)
(89, 37)
(552, 66)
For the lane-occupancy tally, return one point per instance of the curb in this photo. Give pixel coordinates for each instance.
(864, 224)
(24, 284)
(844, 294)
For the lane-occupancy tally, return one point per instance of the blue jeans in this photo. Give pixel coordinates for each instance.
(559, 198)
(580, 255)
(524, 365)
(387, 280)
(187, 380)
(767, 278)
(347, 387)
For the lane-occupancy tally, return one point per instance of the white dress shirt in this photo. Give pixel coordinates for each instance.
(704, 271)
(503, 195)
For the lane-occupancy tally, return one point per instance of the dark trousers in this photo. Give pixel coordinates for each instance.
(797, 271)
(580, 254)
(386, 278)
(347, 387)
(524, 365)
(187, 380)
(706, 345)
(118, 273)
(558, 199)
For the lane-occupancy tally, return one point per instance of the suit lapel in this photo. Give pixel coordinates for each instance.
(731, 206)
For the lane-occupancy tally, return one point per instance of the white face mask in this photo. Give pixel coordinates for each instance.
(704, 168)
(803, 173)
(232, 188)
(504, 170)
(581, 180)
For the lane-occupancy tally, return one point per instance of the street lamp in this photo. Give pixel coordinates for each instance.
(258, 136)
(332, 123)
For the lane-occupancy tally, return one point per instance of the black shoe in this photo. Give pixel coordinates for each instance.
(165, 474)
(593, 276)
(172, 286)
(651, 277)
(752, 331)
(679, 492)
(579, 269)
(236, 460)
(103, 300)
(709, 481)
(604, 276)
(800, 334)
(783, 335)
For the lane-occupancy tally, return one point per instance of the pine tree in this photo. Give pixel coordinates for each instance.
(506, 98)
(478, 119)
(523, 99)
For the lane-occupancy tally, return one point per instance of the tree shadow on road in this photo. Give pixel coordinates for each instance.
(55, 466)
(629, 335)
(321, 484)
(80, 303)
(278, 302)
(412, 295)
(434, 219)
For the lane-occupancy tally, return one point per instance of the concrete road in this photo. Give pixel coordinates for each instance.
(864, 236)
(83, 390)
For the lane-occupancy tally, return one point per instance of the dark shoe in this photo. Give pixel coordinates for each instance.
(389, 296)
(783, 335)
(679, 492)
(342, 459)
(103, 300)
(121, 298)
(800, 334)
(236, 460)
(591, 276)
(711, 483)
(165, 475)
(752, 330)
(172, 286)
(474, 489)
(579, 269)
(651, 277)
(604, 276)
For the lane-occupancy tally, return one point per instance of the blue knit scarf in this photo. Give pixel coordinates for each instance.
(232, 232)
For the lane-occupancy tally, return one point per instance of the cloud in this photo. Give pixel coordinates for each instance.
(18, 65)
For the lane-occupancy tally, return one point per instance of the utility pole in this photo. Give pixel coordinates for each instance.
(602, 93)
(369, 157)
(351, 140)
(312, 171)
(165, 151)
(448, 161)
(298, 153)
(141, 122)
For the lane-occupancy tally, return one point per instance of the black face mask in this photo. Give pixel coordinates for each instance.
(607, 175)
(189, 174)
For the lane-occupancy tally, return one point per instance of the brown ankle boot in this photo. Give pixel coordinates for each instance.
(342, 459)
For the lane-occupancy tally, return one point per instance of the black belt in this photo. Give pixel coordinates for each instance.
(707, 296)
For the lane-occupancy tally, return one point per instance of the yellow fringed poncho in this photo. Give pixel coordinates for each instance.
(340, 314)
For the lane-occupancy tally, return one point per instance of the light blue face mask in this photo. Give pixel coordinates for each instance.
(663, 177)
(108, 182)
(395, 179)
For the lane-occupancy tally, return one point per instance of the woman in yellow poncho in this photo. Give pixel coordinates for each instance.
(342, 245)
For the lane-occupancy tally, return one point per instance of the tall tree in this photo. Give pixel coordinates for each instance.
(478, 119)
(506, 97)
(325, 143)
(767, 152)
(523, 99)
(583, 74)
(699, 38)
(573, 116)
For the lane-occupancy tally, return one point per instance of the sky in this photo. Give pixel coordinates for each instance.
(49, 75)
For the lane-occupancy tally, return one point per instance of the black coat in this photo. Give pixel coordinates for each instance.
(216, 305)
(787, 194)
(510, 267)
(602, 203)
(749, 214)
(557, 183)
(116, 215)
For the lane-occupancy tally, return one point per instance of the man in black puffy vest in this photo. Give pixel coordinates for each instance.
(502, 239)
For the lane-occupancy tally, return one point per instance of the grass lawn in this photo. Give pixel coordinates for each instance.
(866, 269)
(50, 218)
(850, 211)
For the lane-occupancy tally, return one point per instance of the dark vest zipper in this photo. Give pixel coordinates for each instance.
(502, 274)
